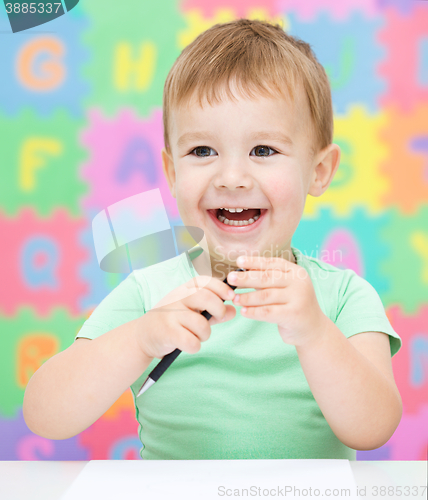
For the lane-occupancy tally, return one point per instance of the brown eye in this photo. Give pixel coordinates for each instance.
(205, 150)
(264, 151)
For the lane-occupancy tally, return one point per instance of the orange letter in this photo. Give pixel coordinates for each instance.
(33, 351)
(51, 73)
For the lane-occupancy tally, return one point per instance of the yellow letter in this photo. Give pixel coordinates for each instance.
(30, 160)
(143, 67)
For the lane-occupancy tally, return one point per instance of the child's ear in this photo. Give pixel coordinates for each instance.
(324, 168)
(168, 170)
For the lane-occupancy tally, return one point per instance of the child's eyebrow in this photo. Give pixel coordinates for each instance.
(263, 136)
(192, 136)
(272, 136)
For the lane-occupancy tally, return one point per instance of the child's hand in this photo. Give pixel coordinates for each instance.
(284, 295)
(177, 324)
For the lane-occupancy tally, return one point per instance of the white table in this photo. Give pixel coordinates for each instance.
(48, 480)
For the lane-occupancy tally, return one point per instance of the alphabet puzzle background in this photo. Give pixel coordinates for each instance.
(81, 128)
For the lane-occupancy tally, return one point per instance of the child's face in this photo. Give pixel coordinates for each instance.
(240, 161)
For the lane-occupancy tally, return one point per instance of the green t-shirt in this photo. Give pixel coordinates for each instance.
(244, 395)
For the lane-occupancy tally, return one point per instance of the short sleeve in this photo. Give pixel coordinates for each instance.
(123, 304)
(360, 309)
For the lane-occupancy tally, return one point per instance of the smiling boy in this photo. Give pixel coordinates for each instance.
(269, 152)
(298, 365)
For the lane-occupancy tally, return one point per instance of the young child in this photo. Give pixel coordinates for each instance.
(305, 370)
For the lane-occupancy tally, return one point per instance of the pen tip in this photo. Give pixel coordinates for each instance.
(148, 383)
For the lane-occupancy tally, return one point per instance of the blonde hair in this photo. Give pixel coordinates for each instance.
(262, 58)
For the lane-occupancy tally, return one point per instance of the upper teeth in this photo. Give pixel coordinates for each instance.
(234, 209)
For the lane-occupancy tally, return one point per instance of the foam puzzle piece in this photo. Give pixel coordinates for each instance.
(131, 54)
(358, 181)
(407, 264)
(19, 443)
(349, 54)
(113, 438)
(123, 158)
(353, 243)
(42, 156)
(405, 67)
(40, 259)
(406, 165)
(43, 69)
(30, 341)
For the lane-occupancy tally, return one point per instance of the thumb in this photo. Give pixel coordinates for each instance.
(230, 314)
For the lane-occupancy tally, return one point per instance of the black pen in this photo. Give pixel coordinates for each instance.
(166, 361)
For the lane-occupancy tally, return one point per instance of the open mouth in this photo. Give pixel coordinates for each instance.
(232, 221)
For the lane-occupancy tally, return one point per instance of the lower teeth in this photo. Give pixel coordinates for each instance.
(237, 222)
